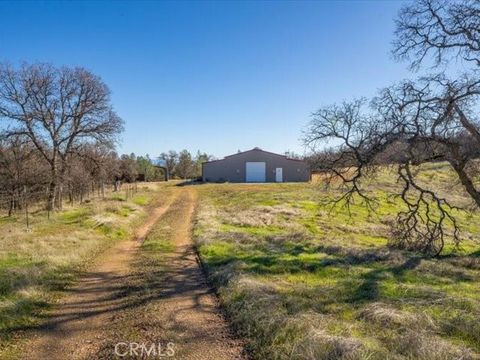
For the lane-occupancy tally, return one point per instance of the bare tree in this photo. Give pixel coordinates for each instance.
(365, 134)
(128, 167)
(20, 166)
(89, 169)
(443, 29)
(58, 109)
(438, 29)
(433, 118)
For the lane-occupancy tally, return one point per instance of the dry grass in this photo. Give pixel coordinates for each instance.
(261, 215)
(37, 264)
(389, 317)
(302, 281)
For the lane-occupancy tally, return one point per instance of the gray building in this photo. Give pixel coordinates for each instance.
(255, 165)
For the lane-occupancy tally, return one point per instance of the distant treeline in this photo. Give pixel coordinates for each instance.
(183, 164)
(91, 168)
(58, 132)
(395, 153)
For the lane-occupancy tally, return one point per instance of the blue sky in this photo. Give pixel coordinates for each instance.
(214, 76)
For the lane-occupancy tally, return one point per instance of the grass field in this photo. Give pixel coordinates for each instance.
(37, 264)
(299, 280)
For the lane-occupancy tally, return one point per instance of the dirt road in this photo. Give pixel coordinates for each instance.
(80, 324)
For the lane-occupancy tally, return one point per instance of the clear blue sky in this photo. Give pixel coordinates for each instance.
(214, 76)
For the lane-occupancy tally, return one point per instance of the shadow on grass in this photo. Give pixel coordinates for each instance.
(108, 293)
(369, 289)
(23, 310)
(190, 182)
(294, 258)
(476, 254)
(359, 274)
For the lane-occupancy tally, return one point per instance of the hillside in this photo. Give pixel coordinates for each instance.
(301, 280)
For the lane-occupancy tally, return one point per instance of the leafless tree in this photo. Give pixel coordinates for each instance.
(89, 169)
(430, 119)
(20, 167)
(443, 30)
(365, 134)
(59, 110)
(438, 29)
(128, 168)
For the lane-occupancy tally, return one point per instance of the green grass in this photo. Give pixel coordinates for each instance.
(75, 216)
(37, 265)
(300, 280)
(141, 200)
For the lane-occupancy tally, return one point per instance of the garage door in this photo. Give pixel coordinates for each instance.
(255, 171)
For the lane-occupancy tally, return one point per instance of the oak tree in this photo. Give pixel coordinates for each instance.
(58, 110)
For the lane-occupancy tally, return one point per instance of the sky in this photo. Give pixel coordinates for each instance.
(212, 76)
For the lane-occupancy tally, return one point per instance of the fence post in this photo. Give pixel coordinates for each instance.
(25, 199)
(60, 197)
(48, 207)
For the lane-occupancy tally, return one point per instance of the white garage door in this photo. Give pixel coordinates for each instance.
(255, 171)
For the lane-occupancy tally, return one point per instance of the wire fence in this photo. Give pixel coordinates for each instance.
(24, 201)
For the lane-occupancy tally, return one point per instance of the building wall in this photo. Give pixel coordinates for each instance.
(232, 168)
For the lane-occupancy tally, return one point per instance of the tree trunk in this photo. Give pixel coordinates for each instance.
(458, 164)
(60, 197)
(70, 194)
(11, 209)
(52, 191)
(467, 183)
(471, 127)
(52, 187)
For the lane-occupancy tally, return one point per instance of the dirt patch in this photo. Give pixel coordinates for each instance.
(168, 299)
(81, 323)
(74, 327)
(189, 309)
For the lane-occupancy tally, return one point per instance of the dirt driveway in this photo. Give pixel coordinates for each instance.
(81, 323)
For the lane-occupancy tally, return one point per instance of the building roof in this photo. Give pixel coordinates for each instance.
(254, 149)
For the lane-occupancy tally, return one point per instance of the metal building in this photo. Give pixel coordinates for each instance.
(255, 165)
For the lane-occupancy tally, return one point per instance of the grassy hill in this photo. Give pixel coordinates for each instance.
(301, 280)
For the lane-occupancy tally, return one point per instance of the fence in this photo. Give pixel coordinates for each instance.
(23, 201)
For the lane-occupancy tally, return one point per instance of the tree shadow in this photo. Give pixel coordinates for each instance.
(475, 254)
(368, 267)
(101, 297)
(190, 183)
(369, 289)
